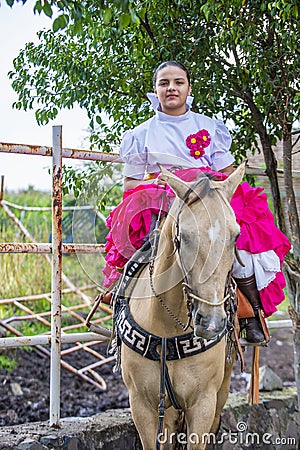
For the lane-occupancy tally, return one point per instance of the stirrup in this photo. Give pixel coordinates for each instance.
(260, 317)
(245, 343)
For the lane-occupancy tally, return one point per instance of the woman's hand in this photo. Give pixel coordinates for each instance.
(131, 183)
(161, 180)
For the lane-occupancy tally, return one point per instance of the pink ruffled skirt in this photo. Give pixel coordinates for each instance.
(130, 222)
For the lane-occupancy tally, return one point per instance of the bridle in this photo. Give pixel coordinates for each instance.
(188, 293)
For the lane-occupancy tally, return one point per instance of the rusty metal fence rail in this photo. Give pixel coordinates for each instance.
(56, 249)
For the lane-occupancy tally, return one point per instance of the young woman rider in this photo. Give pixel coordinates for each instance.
(186, 143)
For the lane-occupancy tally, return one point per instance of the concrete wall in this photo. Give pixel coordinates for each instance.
(273, 424)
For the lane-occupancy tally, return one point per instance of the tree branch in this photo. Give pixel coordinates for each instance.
(236, 57)
(147, 27)
(296, 141)
(294, 133)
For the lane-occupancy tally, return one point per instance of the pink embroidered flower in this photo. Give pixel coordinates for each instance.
(198, 142)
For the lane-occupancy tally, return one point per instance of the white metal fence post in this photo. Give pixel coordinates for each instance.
(55, 366)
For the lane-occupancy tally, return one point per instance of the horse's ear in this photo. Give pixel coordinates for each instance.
(179, 186)
(229, 185)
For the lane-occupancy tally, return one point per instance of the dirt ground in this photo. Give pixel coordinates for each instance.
(24, 392)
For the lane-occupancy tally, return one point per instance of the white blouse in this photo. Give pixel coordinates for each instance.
(162, 139)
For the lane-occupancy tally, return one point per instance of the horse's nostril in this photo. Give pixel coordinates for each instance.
(198, 318)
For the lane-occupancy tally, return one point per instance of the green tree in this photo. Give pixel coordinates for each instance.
(74, 11)
(107, 69)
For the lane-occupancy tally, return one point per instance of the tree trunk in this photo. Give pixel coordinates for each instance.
(292, 268)
(292, 276)
(270, 160)
(293, 215)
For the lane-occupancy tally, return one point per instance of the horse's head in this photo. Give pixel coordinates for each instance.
(204, 230)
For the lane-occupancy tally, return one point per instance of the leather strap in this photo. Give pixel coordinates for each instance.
(244, 308)
(236, 331)
(170, 391)
(165, 384)
(264, 325)
(162, 392)
(253, 398)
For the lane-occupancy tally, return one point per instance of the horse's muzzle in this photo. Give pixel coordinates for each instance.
(208, 328)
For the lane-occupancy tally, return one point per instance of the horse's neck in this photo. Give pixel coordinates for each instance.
(165, 266)
(167, 283)
(163, 286)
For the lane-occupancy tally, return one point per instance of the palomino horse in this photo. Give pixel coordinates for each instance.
(194, 257)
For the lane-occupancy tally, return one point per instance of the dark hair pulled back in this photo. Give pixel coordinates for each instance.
(171, 63)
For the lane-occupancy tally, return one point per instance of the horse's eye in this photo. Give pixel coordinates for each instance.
(186, 238)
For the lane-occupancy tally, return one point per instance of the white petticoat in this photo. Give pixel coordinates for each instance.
(263, 265)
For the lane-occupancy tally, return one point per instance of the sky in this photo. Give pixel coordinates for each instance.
(19, 25)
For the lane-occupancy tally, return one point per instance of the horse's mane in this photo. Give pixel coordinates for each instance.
(210, 176)
(203, 181)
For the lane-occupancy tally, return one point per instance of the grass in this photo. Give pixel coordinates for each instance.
(30, 274)
(7, 363)
(282, 310)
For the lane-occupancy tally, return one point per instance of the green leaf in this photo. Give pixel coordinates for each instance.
(107, 15)
(57, 24)
(133, 17)
(124, 20)
(60, 5)
(206, 10)
(38, 6)
(295, 11)
(47, 9)
(60, 22)
(78, 28)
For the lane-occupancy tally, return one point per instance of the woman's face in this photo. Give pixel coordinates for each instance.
(172, 88)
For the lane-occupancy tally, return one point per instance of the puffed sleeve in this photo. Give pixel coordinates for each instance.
(221, 142)
(133, 156)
